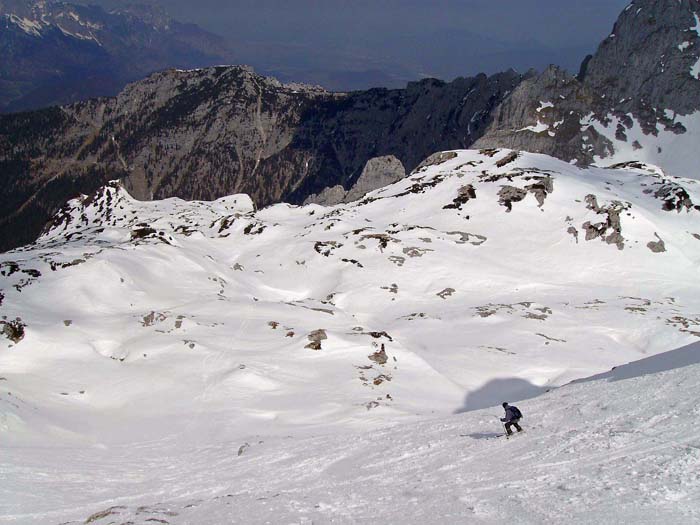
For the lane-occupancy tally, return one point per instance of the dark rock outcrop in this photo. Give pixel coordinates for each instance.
(13, 330)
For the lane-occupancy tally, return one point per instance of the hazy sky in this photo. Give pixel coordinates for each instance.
(338, 42)
(553, 21)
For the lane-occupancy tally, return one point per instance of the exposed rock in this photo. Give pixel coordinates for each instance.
(657, 247)
(436, 159)
(380, 379)
(650, 32)
(112, 511)
(254, 228)
(552, 339)
(326, 248)
(573, 231)
(674, 197)
(538, 317)
(416, 252)
(447, 292)
(377, 173)
(465, 194)
(152, 318)
(378, 335)
(170, 135)
(488, 152)
(13, 330)
(471, 238)
(609, 230)
(414, 316)
(541, 188)
(521, 123)
(353, 261)
(379, 357)
(642, 71)
(383, 239)
(327, 197)
(511, 157)
(507, 195)
(316, 337)
(142, 233)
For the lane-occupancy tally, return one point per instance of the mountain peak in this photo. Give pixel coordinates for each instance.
(652, 57)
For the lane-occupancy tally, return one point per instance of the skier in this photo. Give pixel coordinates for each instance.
(513, 416)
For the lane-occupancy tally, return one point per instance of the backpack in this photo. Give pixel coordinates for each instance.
(517, 414)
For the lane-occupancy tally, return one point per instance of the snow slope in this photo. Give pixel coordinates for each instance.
(625, 451)
(665, 148)
(146, 342)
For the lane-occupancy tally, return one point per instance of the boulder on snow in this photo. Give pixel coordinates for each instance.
(13, 330)
(379, 357)
(316, 337)
(658, 246)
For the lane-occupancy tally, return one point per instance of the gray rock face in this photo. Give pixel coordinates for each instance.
(208, 133)
(328, 197)
(641, 70)
(646, 61)
(378, 172)
(543, 115)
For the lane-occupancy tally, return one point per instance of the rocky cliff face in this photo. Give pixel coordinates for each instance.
(651, 60)
(207, 133)
(637, 98)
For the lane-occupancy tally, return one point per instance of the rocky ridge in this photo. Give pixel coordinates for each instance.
(636, 98)
(202, 134)
(206, 133)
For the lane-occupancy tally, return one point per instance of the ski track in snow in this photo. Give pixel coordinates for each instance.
(164, 338)
(603, 452)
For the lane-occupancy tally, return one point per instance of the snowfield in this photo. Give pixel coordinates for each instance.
(202, 363)
(608, 451)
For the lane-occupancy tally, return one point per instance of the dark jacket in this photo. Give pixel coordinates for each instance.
(510, 415)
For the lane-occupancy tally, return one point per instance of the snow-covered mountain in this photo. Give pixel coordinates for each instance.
(263, 354)
(208, 133)
(484, 274)
(58, 52)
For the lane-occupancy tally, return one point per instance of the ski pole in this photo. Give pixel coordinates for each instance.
(504, 426)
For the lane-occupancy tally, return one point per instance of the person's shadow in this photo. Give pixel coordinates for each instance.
(482, 435)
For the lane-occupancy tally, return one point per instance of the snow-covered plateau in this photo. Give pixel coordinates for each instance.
(207, 363)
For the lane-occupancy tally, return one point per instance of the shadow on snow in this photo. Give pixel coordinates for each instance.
(497, 391)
